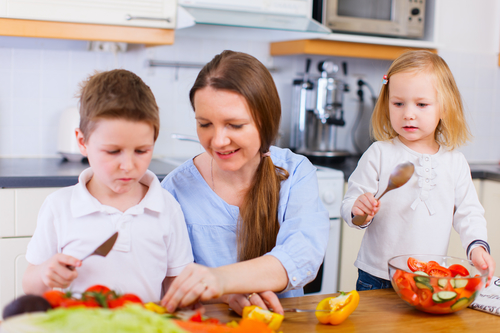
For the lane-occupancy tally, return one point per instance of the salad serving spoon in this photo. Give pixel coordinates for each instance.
(399, 176)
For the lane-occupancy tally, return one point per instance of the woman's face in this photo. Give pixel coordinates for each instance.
(226, 129)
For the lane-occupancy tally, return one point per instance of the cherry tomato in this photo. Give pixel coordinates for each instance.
(54, 297)
(425, 297)
(71, 303)
(416, 265)
(122, 300)
(457, 269)
(410, 296)
(98, 289)
(196, 317)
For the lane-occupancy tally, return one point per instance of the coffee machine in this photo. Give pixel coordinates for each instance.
(317, 112)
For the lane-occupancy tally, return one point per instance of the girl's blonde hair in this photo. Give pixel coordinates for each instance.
(452, 130)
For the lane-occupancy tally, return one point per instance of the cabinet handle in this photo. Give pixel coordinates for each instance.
(130, 17)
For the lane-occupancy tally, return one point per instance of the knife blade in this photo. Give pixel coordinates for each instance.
(102, 250)
(303, 310)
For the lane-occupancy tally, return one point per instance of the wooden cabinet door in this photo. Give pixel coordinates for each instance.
(139, 13)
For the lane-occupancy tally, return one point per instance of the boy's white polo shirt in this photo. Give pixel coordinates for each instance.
(152, 243)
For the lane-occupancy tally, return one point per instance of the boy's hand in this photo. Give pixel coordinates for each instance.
(366, 204)
(56, 273)
(483, 260)
(265, 300)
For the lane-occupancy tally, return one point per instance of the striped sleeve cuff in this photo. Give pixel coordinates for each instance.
(476, 243)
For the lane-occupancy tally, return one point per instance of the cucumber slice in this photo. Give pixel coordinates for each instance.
(461, 283)
(422, 285)
(460, 304)
(443, 283)
(421, 273)
(436, 298)
(422, 279)
(446, 296)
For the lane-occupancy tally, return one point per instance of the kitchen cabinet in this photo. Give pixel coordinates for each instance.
(144, 22)
(343, 49)
(19, 209)
(361, 46)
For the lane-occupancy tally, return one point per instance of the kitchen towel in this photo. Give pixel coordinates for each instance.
(488, 299)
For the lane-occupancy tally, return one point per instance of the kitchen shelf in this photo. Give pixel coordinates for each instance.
(345, 48)
(83, 31)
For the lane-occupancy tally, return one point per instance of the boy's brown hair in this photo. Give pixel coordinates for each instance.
(116, 94)
(452, 130)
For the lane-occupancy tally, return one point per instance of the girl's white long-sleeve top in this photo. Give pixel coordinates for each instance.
(416, 218)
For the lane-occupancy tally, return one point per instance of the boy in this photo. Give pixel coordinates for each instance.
(119, 124)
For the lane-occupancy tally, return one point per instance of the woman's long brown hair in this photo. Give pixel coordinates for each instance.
(241, 73)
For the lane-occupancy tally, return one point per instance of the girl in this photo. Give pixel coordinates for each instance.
(253, 211)
(418, 118)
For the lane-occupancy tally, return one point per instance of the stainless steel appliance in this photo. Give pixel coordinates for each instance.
(317, 112)
(400, 18)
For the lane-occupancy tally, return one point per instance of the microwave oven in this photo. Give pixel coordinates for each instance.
(396, 18)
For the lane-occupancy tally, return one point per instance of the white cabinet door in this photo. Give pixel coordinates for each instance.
(13, 264)
(19, 210)
(144, 13)
(7, 215)
(28, 203)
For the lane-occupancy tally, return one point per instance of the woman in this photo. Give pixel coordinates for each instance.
(254, 216)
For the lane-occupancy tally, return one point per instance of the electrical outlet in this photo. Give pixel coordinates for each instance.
(114, 47)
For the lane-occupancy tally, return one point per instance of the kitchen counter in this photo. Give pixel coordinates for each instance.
(56, 172)
(378, 311)
(347, 166)
(53, 172)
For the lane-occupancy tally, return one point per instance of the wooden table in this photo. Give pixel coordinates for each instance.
(378, 311)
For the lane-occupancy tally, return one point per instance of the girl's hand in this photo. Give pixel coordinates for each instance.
(195, 283)
(55, 271)
(265, 300)
(483, 260)
(366, 204)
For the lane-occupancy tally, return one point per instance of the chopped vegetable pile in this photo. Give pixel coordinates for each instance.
(434, 288)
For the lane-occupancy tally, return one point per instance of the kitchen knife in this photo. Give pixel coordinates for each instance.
(303, 310)
(102, 250)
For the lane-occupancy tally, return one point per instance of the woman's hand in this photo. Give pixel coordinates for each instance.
(482, 259)
(366, 204)
(55, 272)
(265, 300)
(195, 283)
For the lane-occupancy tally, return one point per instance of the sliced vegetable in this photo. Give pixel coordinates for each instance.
(425, 297)
(410, 296)
(461, 283)
(460, 304)
(443, 283)
(416, 265)
(340, 308)
(446, 295)
(421, 273)
(271, 319)
(438, 271)
(458, 269)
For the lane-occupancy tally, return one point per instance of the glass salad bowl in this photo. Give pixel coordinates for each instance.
(434, 283)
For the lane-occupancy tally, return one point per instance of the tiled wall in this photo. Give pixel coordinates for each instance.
(39, 79)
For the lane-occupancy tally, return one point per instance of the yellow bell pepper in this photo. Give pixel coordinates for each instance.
(340, 308)
(155, 308)
(273, 320)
